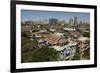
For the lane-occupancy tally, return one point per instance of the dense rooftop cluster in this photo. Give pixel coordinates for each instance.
(71, 42)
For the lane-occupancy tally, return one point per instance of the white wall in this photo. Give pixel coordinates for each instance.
(5, 36)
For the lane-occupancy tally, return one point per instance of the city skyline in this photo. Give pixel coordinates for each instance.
(35, 15)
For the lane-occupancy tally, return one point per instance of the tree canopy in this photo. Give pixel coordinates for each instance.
(40, 55)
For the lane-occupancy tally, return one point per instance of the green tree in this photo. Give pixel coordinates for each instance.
(43, 54)
(27, 44)
(25, 34)
(86, 34)
(76, 56)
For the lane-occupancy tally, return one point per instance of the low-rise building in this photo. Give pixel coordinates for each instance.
(65, 49)
(83, 45)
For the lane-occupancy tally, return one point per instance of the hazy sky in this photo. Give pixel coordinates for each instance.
(43, 15)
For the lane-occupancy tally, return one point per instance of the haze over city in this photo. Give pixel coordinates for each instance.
(35, 15)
